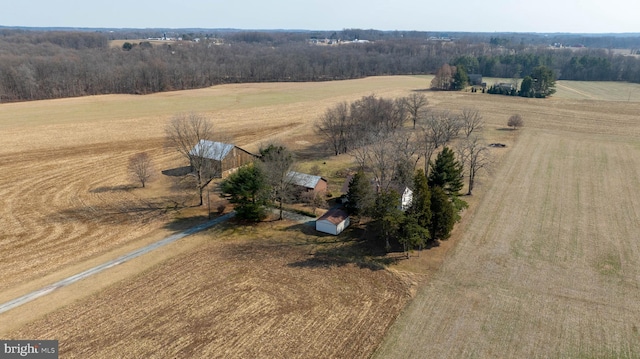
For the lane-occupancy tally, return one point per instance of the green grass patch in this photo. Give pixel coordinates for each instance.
(609, 265)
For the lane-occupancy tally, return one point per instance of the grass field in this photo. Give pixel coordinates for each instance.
(545, 265)
(550, 264)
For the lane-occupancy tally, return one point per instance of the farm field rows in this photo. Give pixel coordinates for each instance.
(67, 201)
(65, 189)
(233, 298)
(550, 264)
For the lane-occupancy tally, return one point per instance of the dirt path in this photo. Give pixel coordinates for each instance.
(4, 307)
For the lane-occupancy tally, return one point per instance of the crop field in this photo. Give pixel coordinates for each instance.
(549, 266)
(545, 262)
(234, 298)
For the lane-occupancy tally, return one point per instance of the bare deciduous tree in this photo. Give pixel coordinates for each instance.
(474, 155)
(443, 79)
(389, 157)
(471, 121)
(276, 162)
(315, 200)
(140, 167)
(335, 125)
(515, 121)
(185, 133)
(371, 114)
(345, 126)
(415, 103)
(437, 129)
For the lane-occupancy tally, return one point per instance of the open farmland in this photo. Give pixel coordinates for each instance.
(65, 192)
(233, 298)
(550, 264)
(67, 203)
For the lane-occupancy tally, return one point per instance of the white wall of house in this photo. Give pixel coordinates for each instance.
(407, 198)
(329, 227)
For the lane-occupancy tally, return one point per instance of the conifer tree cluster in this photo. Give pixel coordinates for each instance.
(433, 210)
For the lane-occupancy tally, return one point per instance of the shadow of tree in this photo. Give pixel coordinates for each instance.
(182, 224)
(177, 172)
(347, 248)
(313, 152)
(105, 189)
(115, 213)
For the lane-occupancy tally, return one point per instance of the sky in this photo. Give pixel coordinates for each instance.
(550, 16)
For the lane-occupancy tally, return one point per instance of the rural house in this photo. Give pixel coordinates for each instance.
(475, 79)
(333, 222)
(505, 86)
(307, 183)
(224, 158)
(406, 194)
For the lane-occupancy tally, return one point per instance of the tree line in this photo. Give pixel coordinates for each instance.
(44, 65)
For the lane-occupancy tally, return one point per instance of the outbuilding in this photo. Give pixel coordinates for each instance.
(333, 222)
(307, 183)
(223, 158)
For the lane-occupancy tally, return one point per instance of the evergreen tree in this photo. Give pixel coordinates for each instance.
(446, 173)
(386, 212)
(526, 87)
(544, 81)
(360, 195)
(460, 78)
(247, 188)
(444, 214)
(412, 234)
(420, 208)
(415, 227)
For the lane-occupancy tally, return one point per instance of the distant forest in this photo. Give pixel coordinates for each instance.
(39, 64)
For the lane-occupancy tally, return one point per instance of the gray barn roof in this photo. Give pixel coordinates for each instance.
(211, 150)
(303, 179)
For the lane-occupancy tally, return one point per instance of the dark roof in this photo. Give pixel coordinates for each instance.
(335, 216)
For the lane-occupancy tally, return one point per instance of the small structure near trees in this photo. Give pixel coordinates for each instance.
(334, 221)
(224, 158)
(307, 183)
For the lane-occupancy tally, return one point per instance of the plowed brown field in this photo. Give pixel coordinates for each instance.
(265, 298)
(553, 235)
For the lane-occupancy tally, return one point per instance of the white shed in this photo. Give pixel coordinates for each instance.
(333, 222)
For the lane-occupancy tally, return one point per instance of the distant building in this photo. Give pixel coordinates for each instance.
(505, 86)
(475, 79)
